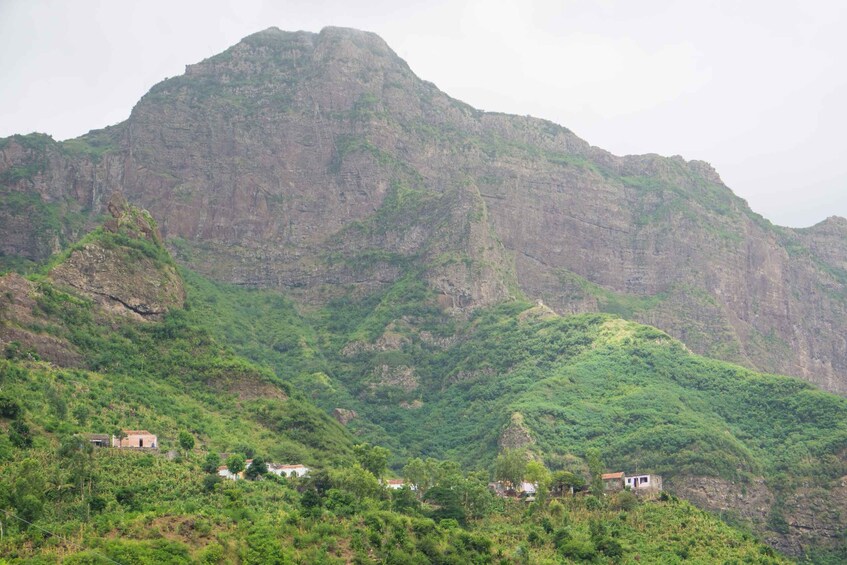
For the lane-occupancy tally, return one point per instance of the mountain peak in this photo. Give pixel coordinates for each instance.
(319, 164)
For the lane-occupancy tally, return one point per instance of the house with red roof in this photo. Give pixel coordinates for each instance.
(135, 439)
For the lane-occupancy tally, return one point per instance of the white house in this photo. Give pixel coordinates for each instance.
(644, 482)
(397, 484)
(639, 484)
(288, 470)
(528, 488)
(223, 471)
(279, 470)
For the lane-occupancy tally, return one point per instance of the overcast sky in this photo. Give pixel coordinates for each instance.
(757, 88)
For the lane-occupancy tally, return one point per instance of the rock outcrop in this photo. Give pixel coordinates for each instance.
(320, 164)
(344, 416)
(809, 516)
(515, 435)
(124, 268)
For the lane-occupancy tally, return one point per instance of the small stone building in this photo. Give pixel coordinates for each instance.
(137, 439)
(99, 440)
(613, 482)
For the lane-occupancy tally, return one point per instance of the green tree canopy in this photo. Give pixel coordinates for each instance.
(372, 457)
(257, 469)
(562, 482)
(186, 441)
(595, 469)
(510, 466)
(235, 463)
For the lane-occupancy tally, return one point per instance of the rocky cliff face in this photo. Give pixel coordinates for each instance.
(122, 269)
(125, 269)
(320, 164)
(811, 516)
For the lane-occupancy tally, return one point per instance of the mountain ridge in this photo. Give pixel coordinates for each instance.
(321, 165)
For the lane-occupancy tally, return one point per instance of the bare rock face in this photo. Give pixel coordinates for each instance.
(321, 165)
(401, 377)
(122, 276)
(515, 435)
(808, 517)
(344, 416)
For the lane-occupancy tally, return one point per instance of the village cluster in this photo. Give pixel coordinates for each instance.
(142, 439)
(642, 485)
(612, 482)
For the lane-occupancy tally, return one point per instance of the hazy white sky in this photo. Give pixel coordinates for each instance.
(757, 88)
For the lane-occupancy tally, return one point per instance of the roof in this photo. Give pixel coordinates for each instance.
(137, 432)
(608, 476)
(395, 482)
(290, 467)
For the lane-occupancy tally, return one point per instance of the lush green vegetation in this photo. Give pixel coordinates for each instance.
(89, 505)
(579, 382)
(93, 145)
(244, 372)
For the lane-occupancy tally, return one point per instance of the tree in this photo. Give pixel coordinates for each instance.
(416, 473)
(77, 454)
(445, 473)
(595, 468)
(235, 463)
(563, 481)
(372, 457)
(186, 441)
(20, 435)
(447, 504)
(510, 467)
(536, 473)
(211, 463)
(358, 481)
(405, 501)
(9, 408)
(476, 498)
(120, 435)
(209, 482)
(257, 469)
(28, 490)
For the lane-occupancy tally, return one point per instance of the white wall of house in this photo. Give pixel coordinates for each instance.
(288, 470)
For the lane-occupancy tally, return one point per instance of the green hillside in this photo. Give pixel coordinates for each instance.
(425, 383)
(246, 372)
(579, 382)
